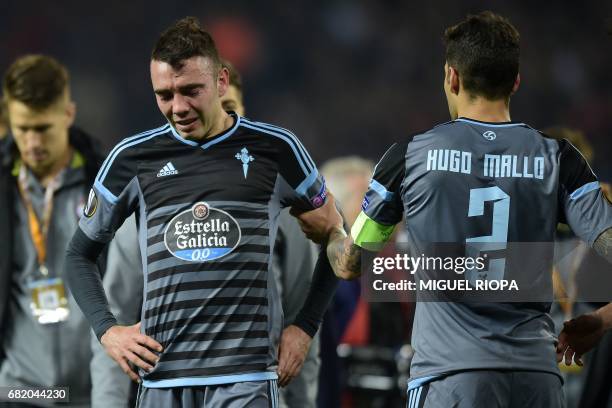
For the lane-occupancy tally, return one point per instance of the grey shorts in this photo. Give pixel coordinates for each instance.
(250, 394)
(490, 389)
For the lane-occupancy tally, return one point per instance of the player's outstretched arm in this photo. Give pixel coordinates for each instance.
(382, 209)
(582, 333)
(603, 244)
(344, 256)
(324, 226)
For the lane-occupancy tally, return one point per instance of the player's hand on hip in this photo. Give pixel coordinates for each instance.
(294, 346)
(578, 336)
(317, 224)
(125, 345)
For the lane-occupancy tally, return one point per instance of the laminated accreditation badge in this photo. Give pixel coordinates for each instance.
(49, 303)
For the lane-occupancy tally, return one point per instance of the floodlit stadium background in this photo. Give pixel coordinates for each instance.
(348, 77)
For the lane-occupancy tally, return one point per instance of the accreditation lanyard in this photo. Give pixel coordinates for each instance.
(39, 229)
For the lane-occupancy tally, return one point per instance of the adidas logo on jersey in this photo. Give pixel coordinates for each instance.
(167, 170)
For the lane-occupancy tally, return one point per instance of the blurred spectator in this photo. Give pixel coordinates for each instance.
(347, 178)
(43, 187)
(370, 333)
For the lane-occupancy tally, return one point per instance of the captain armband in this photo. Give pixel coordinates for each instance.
(366, 230)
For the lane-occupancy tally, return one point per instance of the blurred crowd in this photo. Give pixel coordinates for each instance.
(348, 77)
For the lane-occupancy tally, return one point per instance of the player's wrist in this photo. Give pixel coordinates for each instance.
(301, 331)
(108, 333)
(336, 232)
(308, 326)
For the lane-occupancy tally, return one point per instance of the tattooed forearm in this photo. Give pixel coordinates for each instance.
(603, 244)
(344, 256)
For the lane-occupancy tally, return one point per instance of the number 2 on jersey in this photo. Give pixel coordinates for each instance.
(499, 231)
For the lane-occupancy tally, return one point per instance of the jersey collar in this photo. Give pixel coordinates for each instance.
(210, 141)
(489, 124)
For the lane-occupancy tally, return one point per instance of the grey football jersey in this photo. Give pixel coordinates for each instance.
(469, 181)
(207, 215)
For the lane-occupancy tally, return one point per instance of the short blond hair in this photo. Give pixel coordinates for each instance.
(37, 81)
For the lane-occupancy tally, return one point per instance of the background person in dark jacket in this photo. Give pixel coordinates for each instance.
(3, 125)
(47, 168)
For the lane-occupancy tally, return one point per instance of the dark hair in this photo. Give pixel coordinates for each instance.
(235, 79)
(484, 49)
(38, 81)
(185, 39)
